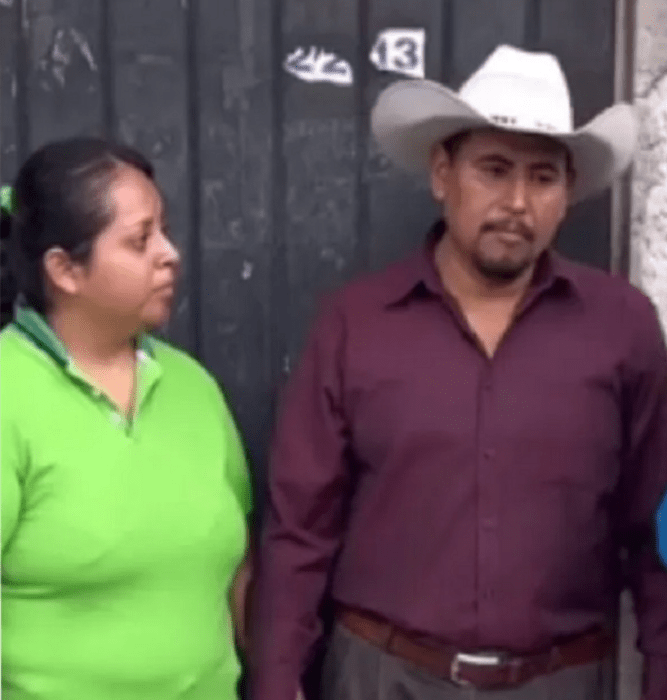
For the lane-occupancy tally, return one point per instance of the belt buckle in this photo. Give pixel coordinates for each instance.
(481, 659)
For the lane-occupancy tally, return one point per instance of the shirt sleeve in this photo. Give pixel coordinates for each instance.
(643, 483)
(307, 483)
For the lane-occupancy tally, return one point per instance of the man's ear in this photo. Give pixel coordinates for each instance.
(571, 176)
(440, 162)
(62, 273)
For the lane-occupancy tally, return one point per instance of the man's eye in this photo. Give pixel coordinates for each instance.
(546, 178)
(496, 170)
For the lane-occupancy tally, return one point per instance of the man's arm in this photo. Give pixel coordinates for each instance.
(643, 482)
(308, 486)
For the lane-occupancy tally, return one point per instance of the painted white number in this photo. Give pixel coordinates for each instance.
(319, 66)
(400, 51)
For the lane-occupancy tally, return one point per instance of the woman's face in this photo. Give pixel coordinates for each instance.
(131, 276)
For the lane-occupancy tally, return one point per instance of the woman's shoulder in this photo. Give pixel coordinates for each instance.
(178, 362)
(19, 357)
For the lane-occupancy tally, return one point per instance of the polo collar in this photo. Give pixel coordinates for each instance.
(33, 325)
(36, 329)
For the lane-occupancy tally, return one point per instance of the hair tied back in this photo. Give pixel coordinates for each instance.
(7, 200)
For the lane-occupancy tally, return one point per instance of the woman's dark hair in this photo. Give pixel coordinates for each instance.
(61, 201)
(7, 282)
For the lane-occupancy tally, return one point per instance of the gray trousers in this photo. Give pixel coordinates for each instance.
(357, 670)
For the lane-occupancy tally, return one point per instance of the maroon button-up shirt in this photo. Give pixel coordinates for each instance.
(479, 501)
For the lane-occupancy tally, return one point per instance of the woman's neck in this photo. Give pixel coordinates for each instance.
(91, 342)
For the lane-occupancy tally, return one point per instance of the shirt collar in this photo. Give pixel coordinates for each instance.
(419, 276)
(35, 327)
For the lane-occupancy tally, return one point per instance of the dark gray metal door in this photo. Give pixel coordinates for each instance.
(275, 190)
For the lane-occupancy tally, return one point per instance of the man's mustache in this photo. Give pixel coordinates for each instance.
(510, 225)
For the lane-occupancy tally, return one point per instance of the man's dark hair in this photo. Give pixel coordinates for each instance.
(452, 145)
(61, 201)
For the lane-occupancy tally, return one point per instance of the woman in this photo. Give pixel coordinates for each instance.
(124, 483)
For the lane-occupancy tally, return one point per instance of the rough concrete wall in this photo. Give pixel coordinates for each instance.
(649, 231)
(649, 196)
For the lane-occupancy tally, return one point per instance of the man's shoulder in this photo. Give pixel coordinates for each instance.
(605, 291)
(374, 290)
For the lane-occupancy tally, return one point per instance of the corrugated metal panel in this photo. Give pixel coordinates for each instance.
(275, 190)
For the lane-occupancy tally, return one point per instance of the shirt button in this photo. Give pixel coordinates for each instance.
(116, 419)
(489, 454)
(489, 524)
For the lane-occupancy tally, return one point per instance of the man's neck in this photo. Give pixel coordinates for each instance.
(469, 286)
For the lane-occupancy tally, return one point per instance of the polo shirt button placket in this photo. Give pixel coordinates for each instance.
(116, 419)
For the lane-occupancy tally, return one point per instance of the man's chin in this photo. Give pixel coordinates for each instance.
(502, 272)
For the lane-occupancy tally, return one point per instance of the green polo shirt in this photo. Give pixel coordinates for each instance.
(119, 539)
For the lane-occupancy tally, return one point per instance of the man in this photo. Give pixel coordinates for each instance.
(474, 434)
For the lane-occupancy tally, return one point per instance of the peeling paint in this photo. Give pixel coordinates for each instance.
(149, 59)
(247, 271)
(57, 48)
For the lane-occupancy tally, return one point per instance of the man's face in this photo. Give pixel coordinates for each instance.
(505, 195)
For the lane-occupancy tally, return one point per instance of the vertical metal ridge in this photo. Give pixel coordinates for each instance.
(621, 193)
(447, 46)
(279, 276)
(23, 137)
(532, 24)
(191, 9)
(107, 71)
(362, 137)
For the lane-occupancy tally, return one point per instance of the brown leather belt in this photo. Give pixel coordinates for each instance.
(481, 670)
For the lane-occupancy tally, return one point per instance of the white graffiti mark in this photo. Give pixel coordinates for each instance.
(65, 43)
(319, 66)
(6, 3)
(248, 267)
(400, 51)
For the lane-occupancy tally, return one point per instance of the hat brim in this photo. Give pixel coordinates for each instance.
(410, 116)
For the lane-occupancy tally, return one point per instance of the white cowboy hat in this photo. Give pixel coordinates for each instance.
(516, 90)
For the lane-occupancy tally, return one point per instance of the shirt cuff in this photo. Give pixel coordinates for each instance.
(655, 678)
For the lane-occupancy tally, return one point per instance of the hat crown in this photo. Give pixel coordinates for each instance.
(521, 90)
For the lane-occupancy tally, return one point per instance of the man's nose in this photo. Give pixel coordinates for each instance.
(517, 194)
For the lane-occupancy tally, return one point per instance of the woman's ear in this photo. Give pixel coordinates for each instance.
(62, 274)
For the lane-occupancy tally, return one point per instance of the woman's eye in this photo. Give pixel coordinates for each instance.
(140, 242)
